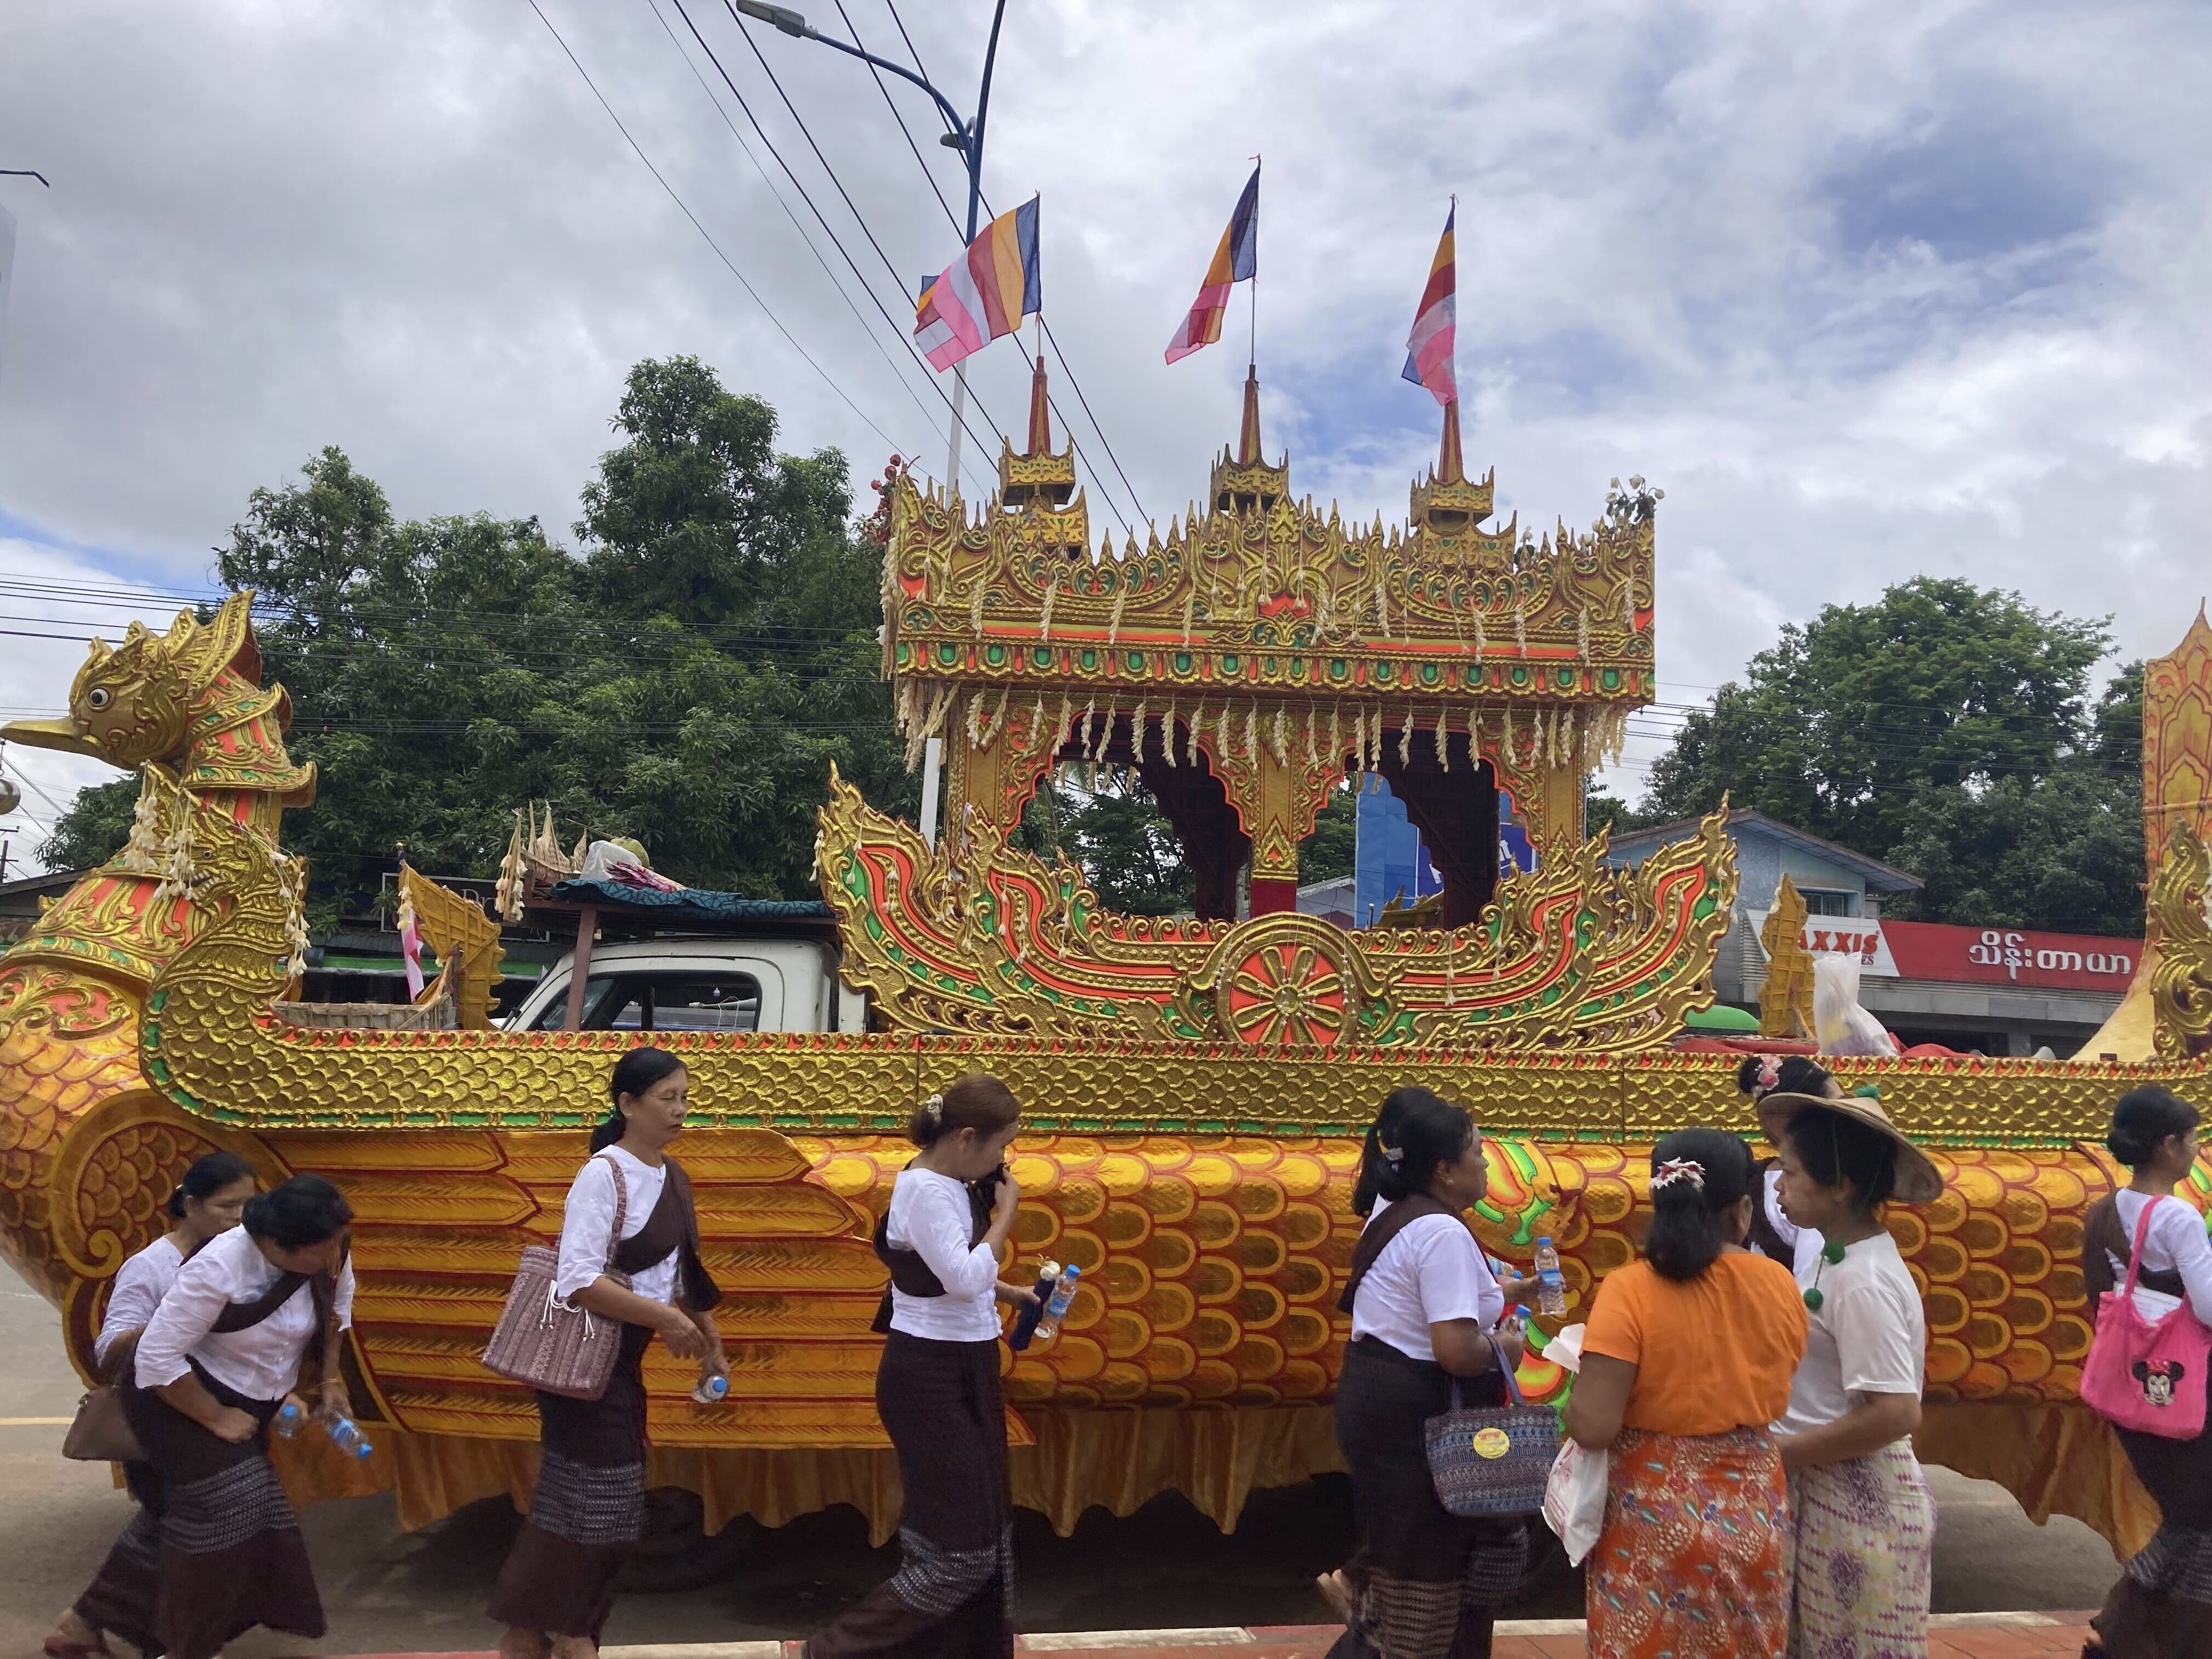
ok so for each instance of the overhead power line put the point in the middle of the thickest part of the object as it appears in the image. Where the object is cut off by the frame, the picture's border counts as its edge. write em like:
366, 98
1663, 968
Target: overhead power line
704, 234
867, 328
805, 196
1051, 339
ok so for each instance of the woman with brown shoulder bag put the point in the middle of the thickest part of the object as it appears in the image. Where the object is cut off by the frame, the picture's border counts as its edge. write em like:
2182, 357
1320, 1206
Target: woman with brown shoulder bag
219, 1357
121, 1597
629, 1254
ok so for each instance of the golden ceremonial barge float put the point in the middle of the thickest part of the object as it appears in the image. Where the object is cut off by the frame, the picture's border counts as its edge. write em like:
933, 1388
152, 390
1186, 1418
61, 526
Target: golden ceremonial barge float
1196, 1086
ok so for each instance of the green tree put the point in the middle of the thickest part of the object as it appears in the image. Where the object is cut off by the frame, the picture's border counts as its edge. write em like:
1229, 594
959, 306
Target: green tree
1330, 851
1121, 838
689, 681
1946, 729
93, 827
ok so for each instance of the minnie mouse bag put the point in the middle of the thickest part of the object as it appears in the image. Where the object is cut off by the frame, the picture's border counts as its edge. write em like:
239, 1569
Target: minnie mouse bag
2147, 1374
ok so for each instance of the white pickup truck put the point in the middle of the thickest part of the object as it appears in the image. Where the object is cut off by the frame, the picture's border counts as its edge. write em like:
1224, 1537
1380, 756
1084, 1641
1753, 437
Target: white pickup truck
701, 985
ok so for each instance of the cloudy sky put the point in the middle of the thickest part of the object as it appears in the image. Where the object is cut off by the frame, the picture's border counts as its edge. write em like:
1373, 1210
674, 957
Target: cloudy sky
1870, 289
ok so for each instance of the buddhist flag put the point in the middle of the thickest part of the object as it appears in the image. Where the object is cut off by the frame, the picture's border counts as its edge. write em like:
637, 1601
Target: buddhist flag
984, 293
1429, 347
1237, 260
411, 945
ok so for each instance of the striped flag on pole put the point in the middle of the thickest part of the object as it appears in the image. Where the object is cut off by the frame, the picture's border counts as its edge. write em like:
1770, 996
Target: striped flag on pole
1237, 260
1429, 347
984, 293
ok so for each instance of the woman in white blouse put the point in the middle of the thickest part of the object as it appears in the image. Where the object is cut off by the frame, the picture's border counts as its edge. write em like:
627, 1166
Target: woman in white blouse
557, 1585
2161, 1608
1863, 1521
1425, 1312
206, 1201
223, 1352
937, 1388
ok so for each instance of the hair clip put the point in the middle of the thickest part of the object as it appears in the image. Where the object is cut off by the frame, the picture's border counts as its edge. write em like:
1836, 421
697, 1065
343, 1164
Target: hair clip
1679, 1169
1770, 1075
1392, 1156
933, 1108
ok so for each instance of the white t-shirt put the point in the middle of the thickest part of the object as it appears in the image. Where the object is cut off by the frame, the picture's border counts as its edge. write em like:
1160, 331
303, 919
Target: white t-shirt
2176, 1243
1431, 1272
1868, 1335
261, 1362
590, 1217
1804, 1241
929, 1215
139, 1287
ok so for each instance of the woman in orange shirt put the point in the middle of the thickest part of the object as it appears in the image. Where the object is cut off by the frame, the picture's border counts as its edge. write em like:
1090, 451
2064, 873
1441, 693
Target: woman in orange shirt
1688, 1356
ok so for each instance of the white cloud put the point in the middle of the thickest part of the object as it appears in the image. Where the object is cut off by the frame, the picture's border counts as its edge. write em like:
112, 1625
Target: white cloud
1872, 288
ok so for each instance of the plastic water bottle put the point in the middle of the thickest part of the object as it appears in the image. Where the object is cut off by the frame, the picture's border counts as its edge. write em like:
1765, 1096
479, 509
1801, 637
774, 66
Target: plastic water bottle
711, 1389
1551, 1284
345, 1434
288, 1420
1062, 1294
1532, 1336
1025, 1322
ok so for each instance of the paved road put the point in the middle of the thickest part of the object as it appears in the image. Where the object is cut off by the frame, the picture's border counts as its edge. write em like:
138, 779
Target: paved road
1166, 1566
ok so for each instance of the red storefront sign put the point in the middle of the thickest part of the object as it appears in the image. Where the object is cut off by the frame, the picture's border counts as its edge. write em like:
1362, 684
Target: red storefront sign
2009, 956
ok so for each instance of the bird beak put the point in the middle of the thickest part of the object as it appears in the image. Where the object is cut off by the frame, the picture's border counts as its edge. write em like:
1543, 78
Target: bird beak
66, 734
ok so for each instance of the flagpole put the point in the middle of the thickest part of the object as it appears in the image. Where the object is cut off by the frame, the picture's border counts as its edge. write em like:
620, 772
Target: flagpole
1252, 352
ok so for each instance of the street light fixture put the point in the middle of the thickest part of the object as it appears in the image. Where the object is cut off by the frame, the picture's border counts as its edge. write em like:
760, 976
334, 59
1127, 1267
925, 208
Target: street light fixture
967, 138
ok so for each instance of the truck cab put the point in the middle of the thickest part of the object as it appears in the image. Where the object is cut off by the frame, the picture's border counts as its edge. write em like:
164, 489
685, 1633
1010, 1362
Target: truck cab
699, 985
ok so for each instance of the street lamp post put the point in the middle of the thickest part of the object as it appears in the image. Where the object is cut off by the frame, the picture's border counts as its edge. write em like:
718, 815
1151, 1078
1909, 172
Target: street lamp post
967, 138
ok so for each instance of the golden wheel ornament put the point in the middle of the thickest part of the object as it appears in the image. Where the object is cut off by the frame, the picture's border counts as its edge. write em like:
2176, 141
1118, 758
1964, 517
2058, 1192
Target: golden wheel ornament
1286, 992
1287, 981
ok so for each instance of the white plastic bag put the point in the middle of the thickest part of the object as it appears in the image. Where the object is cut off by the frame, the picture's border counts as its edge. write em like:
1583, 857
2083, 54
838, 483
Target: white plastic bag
1839, 1024
1574, 1498
1566, 1350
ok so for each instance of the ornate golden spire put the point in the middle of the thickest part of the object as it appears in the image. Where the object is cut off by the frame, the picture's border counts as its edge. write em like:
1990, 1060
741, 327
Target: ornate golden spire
1248, 483
1447, 504
1040, 412
1036, 477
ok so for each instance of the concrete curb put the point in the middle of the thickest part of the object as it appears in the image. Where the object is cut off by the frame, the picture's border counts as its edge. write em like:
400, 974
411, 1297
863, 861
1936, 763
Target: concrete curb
1212, 1636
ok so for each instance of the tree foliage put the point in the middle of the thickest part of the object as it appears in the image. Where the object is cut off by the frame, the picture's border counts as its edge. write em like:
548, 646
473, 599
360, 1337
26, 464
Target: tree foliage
1949, 729
687, 681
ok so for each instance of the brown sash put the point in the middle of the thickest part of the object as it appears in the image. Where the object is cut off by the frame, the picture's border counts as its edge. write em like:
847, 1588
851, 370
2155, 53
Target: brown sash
1377, 1239
673, 1226
909, 1272
2101, 1231
322, 1291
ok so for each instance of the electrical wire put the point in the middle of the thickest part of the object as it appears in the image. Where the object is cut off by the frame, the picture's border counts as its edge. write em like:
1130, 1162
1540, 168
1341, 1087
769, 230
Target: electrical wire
953, 219
750, 290
899, 282
866, 326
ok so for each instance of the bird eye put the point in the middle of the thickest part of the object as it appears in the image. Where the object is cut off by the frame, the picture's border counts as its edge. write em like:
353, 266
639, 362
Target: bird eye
99, 696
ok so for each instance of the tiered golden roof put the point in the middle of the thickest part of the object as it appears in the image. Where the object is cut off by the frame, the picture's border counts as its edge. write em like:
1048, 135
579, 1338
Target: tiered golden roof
1262, 637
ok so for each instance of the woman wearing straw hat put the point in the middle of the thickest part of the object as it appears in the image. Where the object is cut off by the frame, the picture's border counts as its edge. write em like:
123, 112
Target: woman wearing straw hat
1865, 1526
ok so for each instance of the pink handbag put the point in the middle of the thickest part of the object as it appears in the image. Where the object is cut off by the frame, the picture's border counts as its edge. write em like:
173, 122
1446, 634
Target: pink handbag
553, 1345
2143, 1374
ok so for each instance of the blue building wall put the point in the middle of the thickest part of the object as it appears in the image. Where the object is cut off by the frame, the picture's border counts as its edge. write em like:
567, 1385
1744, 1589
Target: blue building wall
1390, 859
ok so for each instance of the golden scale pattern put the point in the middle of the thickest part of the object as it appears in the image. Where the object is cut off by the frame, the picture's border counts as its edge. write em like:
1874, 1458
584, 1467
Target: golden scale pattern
1203, 1187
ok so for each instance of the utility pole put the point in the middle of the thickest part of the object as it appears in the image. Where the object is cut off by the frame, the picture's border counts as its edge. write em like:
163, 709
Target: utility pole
967, 138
